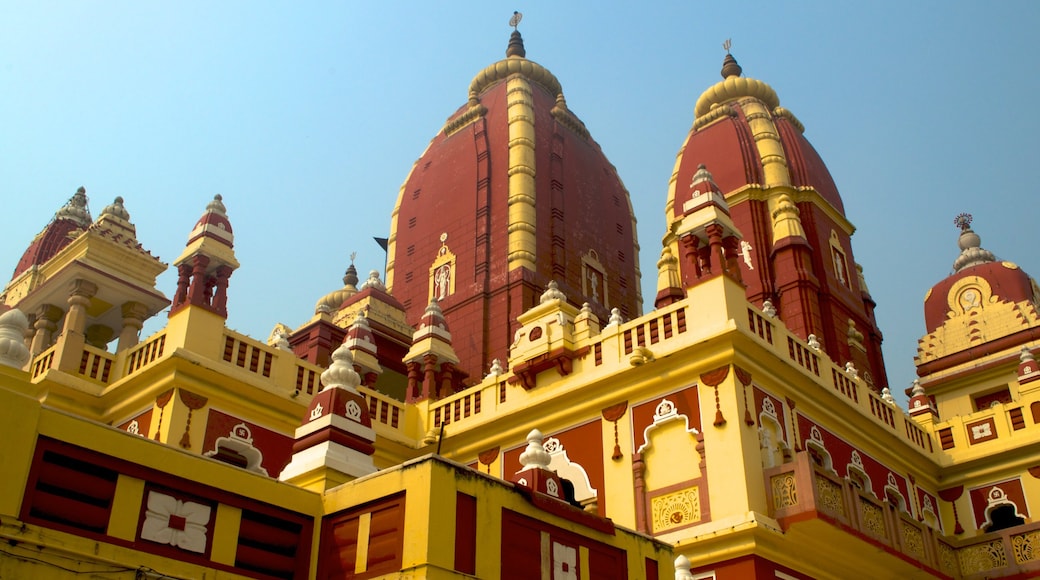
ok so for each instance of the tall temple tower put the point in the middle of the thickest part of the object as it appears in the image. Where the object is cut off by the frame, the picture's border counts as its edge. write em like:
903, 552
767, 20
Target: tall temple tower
511, 194
795, 251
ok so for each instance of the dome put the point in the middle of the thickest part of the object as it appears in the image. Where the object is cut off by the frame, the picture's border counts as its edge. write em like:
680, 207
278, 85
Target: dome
72, 217
333, 300
746, 138
513, 192
978, 278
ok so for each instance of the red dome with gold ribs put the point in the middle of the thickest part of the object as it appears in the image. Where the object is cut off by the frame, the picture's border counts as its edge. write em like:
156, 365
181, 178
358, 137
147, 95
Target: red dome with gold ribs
511, 194
73, 217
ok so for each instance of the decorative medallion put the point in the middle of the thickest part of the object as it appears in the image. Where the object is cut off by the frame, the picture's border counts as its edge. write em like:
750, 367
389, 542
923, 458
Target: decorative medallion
676, 509
169, 520
353, 410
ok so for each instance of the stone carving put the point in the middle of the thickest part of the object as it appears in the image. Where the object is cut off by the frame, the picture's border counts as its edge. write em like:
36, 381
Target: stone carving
785, 491
169, 520
676, 509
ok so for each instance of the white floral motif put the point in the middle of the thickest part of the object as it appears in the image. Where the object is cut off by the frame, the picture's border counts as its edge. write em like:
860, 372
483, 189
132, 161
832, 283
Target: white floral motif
353, 410
552, 488
134, 428
565, 562
664, 409
316, 412
175, 522
552, 445
768, 407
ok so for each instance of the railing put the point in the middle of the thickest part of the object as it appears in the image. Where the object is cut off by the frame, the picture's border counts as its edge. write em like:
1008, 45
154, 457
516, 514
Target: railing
96, 364
917, 435
844, 384
457, 407
145, 353
248, 354
383, 409
760, 326
1014, 552
43, 362
803, 355
308, 378
654, 330
882, 410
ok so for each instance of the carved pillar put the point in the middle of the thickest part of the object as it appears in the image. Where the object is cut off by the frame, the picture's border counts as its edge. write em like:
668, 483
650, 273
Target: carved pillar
197, 289
691, 268
429, 384
370, 379
414, 392
220, 298
133, 321
717, 255
638, 468
80, 292
447, 382
731, 253
183, 280
47, 317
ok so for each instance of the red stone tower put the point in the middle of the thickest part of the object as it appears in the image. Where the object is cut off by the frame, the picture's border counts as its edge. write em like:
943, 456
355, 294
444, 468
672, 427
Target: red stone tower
794, 249
511, 194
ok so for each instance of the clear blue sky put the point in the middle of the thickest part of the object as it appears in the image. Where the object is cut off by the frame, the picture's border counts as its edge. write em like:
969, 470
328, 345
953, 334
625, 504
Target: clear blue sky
307, 117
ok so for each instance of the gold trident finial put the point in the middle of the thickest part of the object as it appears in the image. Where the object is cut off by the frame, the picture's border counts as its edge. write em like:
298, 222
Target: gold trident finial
726, 45
515, 20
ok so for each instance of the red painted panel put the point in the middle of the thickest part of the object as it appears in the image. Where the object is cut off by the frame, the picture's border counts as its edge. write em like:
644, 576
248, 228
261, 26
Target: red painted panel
980, 499
465, 533
686, 403
650, 569
144, 423
521, 550
339, 539
584, 446
275, 447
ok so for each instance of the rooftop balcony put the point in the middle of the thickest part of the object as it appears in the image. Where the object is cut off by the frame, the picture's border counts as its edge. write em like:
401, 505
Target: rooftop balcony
808, 500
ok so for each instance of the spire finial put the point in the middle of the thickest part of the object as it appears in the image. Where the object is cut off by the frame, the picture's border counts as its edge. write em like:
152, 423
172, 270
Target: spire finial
730, 68
963, 221
516, 42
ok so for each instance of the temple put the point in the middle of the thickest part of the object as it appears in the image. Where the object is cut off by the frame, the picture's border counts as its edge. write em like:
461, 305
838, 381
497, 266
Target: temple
497, 404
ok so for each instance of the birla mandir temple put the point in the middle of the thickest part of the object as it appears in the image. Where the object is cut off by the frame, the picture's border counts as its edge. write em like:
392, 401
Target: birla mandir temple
501, 401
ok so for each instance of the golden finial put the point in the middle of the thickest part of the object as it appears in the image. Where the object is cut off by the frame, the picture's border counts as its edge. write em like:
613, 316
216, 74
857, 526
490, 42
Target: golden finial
353, 256
726, 45
516, 43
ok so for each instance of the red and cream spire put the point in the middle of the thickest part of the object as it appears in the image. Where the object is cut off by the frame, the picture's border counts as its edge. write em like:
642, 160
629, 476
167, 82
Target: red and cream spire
431, 360
207, 262
362, 345
336, 441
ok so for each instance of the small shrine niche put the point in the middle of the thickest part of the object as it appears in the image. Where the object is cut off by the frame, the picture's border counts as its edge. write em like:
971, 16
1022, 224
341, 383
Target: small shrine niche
841, 264
594, 278
442, 272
